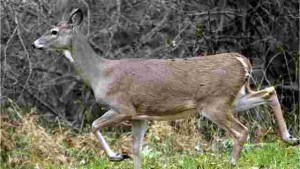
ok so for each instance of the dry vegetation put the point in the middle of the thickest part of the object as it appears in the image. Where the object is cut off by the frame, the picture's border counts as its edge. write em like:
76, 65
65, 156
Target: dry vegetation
26, 143
41, 147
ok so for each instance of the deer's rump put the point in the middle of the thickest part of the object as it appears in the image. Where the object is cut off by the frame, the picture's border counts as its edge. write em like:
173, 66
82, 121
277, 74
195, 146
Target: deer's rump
164, 87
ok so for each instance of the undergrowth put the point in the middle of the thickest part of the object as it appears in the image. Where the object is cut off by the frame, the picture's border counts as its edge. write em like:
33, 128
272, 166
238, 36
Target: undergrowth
27, 143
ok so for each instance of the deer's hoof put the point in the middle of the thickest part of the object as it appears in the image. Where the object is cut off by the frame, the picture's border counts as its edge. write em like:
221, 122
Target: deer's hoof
232, 162
119, 157
292, 141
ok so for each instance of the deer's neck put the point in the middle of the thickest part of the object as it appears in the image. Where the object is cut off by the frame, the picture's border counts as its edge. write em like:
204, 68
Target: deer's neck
87, 62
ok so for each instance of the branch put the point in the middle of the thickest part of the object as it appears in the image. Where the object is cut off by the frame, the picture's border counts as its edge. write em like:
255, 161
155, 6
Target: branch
294, 87
216, 13
88, 16
27, 55
5, 53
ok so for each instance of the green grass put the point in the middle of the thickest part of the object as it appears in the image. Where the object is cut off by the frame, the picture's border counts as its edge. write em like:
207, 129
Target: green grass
271, 156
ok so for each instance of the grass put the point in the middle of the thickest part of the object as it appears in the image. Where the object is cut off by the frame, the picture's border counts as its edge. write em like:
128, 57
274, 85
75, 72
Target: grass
25, 143
269, 156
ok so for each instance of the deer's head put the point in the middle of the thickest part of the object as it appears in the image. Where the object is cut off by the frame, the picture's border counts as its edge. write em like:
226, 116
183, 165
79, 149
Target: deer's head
59, 38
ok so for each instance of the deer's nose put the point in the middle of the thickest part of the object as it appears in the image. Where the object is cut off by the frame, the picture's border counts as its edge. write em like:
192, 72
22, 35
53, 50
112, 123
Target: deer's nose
33, 45
37, 44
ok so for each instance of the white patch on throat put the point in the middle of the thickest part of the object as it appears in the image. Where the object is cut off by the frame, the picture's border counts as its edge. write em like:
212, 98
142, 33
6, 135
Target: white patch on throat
68, 56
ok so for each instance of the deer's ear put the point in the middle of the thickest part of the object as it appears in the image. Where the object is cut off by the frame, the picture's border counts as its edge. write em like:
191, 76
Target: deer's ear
76, 17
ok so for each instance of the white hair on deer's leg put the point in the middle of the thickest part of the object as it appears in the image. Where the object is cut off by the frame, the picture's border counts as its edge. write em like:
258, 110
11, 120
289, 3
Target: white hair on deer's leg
68, 56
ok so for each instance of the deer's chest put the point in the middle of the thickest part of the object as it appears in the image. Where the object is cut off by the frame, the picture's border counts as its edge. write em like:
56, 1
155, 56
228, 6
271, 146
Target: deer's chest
100, 89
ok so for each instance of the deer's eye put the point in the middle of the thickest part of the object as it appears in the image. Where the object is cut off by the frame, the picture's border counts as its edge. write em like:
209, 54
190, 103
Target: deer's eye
54, 32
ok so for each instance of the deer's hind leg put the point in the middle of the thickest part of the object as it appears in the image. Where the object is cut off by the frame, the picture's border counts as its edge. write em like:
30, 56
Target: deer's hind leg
222, 115
109, 118
266, 96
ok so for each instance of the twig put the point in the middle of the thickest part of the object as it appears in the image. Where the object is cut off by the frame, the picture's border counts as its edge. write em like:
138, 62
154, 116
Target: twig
216, 13
27, 55
88, 16
14, 105
292, 86
289, 74
221, 23
267, 68
59, 125
82, 122
5, 53
118, 11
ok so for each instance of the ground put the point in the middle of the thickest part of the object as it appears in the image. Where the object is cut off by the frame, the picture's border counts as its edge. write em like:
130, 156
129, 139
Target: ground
29, 142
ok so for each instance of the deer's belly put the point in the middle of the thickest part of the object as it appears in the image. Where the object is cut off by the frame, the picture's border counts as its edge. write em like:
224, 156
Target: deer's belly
163, 117
166, 112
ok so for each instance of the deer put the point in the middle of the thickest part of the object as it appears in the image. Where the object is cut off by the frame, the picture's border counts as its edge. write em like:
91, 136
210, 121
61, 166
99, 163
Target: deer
141, 90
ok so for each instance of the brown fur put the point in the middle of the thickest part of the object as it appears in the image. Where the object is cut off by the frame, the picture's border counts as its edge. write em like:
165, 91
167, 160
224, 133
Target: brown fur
182, 84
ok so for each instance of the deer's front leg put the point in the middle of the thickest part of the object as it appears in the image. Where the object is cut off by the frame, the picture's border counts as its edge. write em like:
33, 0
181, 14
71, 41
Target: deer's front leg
109, 118
139, 128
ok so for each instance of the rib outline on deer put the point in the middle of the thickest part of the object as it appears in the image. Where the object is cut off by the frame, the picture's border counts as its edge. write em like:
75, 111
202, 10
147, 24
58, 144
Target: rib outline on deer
163, 89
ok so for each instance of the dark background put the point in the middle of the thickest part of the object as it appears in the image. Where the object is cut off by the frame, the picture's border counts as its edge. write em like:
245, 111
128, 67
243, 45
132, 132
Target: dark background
265, 31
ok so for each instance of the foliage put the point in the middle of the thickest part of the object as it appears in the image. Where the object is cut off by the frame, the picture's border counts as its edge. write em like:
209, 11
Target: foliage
265, 31
26, 144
